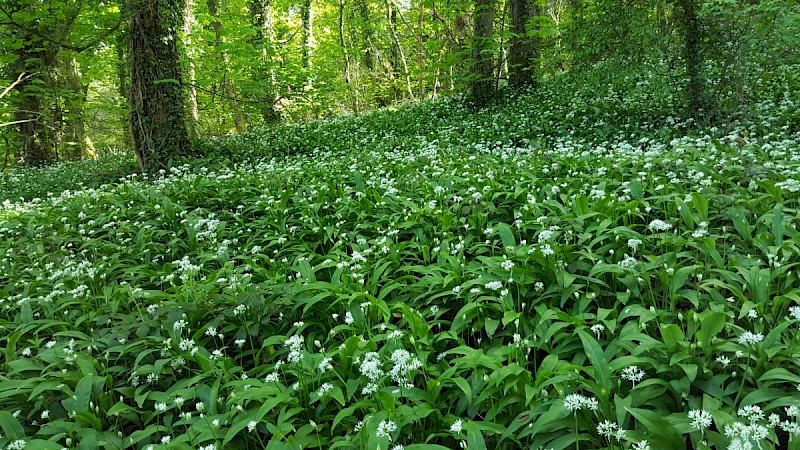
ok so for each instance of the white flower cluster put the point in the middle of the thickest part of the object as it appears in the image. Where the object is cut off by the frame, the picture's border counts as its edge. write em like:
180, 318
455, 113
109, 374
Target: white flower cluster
295, 344
577, 402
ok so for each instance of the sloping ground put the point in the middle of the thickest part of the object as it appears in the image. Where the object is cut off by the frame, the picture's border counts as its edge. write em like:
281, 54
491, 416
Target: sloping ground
563, 267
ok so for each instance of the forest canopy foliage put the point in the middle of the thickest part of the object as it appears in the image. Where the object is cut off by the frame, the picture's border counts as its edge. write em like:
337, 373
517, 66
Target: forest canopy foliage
244, 63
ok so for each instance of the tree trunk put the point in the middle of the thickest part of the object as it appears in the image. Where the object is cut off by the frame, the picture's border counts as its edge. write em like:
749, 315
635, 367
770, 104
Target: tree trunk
368, 34
123, 80
523, 52
348, 76
699, 104
420, 50
194, 110
78, 143
483, 87
307, 14
397, 50
228, 89
36, 62
265, 40
157, 118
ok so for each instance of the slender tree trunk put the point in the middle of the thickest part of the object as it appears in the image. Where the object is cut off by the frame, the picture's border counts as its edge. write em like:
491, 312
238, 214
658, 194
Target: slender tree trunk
398, 49
157, 117
697, 101
368, 56
307, 14
123, 80
228, 88
483, 86
265, 41
194, 110
348, 75
523, 53
78, 143
420, 50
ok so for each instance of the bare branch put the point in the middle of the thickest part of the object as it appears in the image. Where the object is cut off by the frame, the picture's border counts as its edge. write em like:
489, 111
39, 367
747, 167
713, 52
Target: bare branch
19, 80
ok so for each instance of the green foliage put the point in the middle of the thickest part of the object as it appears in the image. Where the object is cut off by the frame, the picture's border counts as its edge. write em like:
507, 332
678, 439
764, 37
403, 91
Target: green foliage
575, 268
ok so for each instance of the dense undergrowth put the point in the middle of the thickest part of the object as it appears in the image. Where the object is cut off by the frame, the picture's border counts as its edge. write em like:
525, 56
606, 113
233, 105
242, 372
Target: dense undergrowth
576, 268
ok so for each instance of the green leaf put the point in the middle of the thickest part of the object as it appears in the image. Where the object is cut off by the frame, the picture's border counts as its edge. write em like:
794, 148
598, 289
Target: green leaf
12, 429
778, 226
664, 435
602, 374
506, 235
475, 439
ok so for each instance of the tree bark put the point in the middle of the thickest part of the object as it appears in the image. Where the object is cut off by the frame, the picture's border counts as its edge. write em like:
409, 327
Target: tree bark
76, 138
157, 117
524, 52
265, 40
483, 86
368, 34
348, 75
397, 52
194, 109
35, 61
698, 103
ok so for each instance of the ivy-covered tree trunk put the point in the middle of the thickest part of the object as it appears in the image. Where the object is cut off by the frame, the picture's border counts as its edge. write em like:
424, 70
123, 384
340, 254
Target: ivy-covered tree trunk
523, 53
261, 11
35, 61
483, 84
157, 118
698, 103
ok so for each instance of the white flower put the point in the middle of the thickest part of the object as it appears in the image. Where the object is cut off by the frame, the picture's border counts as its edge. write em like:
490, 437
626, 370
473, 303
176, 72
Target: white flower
325, 365
19, 444
251, 425
348, 318
494, 285
701, 419
724, 360
457, 426
660, 225
794, 311
324, 389
749, 338
751, 412
385, 428
641, 445
629, 262
633, 374
607, 429
371, 366
634, 244
574, 402
598, 329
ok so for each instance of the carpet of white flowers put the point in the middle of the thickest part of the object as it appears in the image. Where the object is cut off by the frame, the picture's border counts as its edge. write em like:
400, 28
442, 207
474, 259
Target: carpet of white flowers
574, 270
